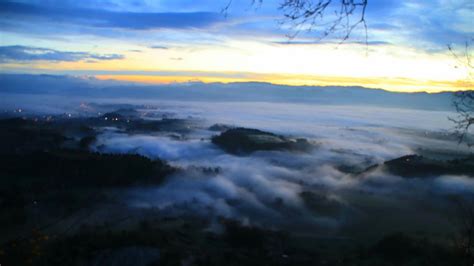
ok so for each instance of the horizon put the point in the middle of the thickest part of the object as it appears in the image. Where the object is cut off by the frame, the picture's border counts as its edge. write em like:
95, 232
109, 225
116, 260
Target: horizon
138, 84
405, 49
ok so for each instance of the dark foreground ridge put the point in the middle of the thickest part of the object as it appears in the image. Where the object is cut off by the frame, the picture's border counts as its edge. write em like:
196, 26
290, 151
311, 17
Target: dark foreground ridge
419, 166
71, 168
245, 140
180, 242
56, 154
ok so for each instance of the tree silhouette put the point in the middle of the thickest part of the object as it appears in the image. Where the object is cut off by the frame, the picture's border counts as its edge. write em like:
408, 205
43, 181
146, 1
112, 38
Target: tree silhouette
464, 100
330, 17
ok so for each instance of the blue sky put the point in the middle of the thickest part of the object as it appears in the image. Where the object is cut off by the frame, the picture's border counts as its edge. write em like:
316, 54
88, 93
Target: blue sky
180, 35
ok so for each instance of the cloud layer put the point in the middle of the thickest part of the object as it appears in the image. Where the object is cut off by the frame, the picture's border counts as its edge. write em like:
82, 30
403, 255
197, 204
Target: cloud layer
432, 23
27, 53
303, 190
314, 190
108, 19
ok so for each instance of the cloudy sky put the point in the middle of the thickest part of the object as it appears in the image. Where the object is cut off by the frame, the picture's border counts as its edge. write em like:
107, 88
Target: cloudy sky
162, 41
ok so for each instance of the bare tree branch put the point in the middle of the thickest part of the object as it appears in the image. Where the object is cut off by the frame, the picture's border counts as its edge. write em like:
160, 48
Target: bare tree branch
464, 100
464, 119
330, 17
226, 8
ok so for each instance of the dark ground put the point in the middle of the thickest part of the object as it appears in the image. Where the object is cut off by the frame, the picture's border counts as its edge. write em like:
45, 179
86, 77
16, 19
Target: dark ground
48, 177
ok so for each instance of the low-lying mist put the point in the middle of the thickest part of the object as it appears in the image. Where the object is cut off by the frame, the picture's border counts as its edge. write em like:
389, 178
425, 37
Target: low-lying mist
338, 185
325, 188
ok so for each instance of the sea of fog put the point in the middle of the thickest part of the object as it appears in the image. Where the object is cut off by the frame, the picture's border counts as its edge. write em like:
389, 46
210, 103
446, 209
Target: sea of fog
266, 187
271, 188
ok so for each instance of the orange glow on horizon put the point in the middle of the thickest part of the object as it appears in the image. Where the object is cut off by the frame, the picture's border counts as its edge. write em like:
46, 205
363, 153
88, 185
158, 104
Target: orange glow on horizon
388, 67
390, 84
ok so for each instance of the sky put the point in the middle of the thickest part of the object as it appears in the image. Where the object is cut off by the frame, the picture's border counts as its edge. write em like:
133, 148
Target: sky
167, 41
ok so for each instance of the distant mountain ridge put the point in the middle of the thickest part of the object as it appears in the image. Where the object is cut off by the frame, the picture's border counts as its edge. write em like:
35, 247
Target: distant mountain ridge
240, 91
